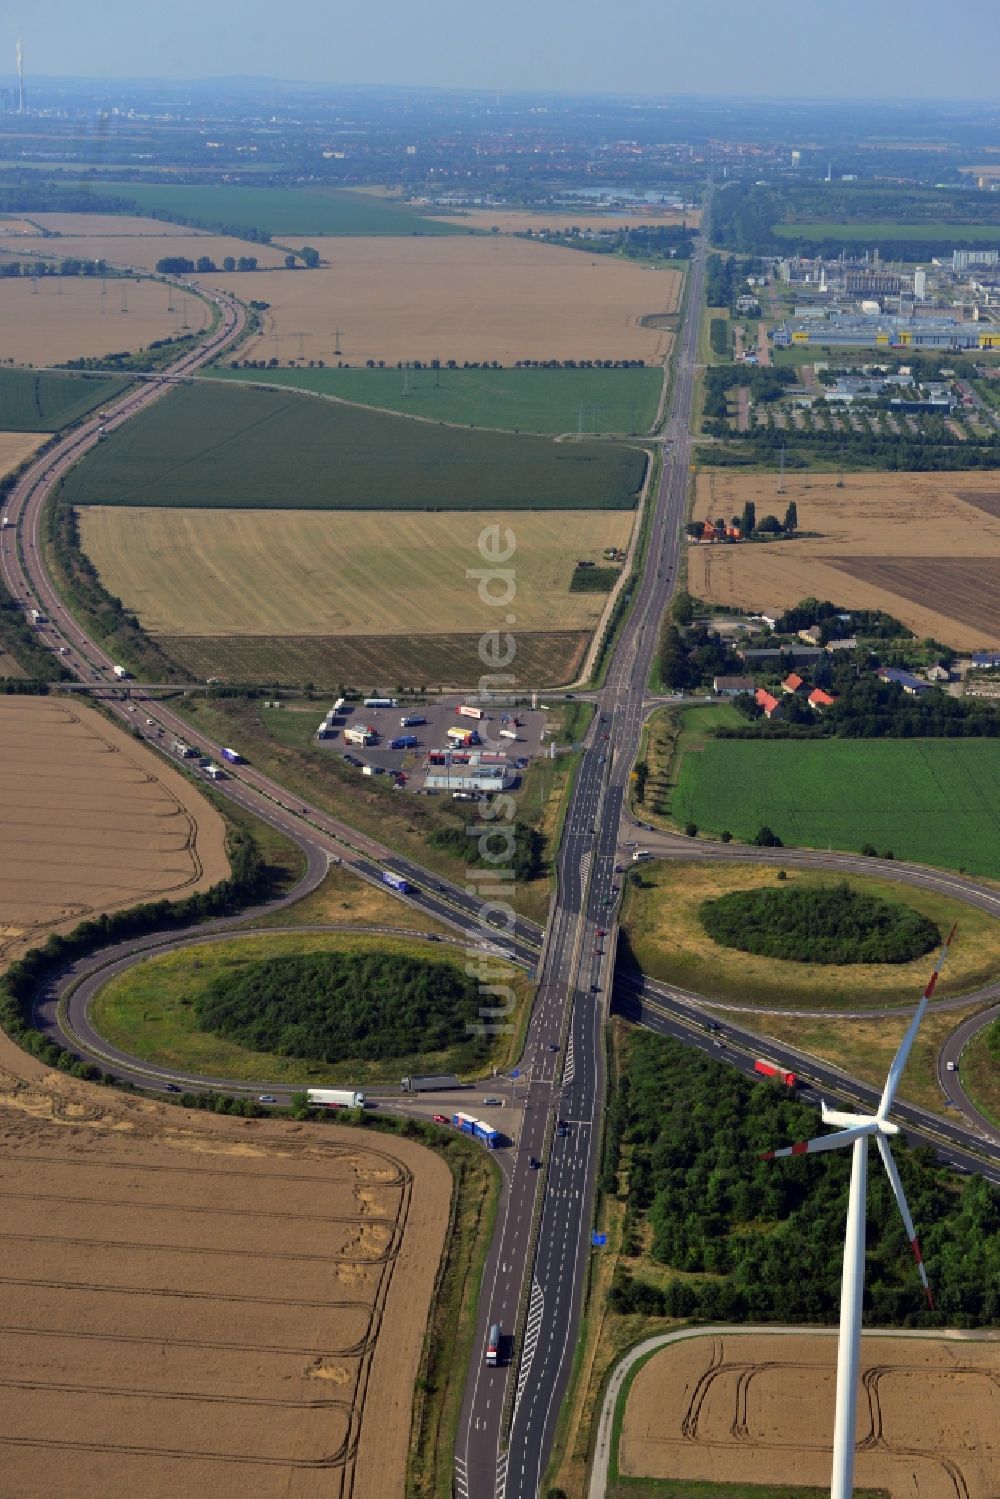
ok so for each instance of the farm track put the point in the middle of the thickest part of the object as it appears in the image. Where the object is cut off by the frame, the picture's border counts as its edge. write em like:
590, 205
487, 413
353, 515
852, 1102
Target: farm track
598, 803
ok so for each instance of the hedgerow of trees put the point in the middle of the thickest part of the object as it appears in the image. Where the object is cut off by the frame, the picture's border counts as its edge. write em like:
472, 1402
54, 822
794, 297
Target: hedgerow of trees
338, 1007
763, 1241
818, 924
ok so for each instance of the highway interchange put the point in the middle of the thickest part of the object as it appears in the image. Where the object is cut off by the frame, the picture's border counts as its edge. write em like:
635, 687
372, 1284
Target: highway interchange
536, 1267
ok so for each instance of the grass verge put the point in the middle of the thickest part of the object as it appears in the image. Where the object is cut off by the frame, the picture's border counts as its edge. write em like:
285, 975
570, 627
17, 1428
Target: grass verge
662, 930
981, 1074
149, 1012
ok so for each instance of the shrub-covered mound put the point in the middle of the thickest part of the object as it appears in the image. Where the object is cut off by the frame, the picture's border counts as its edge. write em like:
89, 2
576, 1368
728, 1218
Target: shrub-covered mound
818, 924
335, 1007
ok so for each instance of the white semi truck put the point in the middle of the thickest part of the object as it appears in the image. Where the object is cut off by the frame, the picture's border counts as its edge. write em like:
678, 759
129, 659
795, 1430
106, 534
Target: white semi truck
335, 1098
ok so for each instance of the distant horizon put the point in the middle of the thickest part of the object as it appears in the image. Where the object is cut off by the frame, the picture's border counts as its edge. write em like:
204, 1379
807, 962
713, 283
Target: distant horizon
470, 90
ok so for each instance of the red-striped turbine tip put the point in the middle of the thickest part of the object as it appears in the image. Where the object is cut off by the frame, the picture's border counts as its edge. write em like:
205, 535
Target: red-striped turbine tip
768, 1155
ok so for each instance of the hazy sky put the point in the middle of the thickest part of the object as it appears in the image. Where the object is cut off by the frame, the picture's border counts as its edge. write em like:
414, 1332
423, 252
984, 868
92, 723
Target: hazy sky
859, 48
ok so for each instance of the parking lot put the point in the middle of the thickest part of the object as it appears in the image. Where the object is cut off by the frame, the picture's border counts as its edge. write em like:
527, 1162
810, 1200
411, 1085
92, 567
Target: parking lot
408, 765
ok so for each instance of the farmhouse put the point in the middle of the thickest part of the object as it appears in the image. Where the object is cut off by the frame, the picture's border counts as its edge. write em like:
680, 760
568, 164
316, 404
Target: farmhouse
986, 660
732, 686
848, 644
904, 679
761, 657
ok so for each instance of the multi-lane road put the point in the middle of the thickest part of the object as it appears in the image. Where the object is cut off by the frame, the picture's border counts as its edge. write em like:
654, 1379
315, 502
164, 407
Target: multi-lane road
536, 1268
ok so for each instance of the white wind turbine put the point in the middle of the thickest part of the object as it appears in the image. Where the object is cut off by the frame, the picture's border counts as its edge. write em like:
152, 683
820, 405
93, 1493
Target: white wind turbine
856, 1130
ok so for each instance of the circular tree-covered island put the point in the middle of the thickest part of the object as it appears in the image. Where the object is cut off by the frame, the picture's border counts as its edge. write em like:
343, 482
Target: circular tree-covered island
818, 924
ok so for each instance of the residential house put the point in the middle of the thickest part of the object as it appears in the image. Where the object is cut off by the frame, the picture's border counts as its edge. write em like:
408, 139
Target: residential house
986, 660
732, 686
811, 636
769, 703
937, 674
850, 644
794, 683
818, 700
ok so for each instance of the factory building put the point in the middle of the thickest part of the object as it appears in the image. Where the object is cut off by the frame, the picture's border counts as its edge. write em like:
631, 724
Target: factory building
845, 331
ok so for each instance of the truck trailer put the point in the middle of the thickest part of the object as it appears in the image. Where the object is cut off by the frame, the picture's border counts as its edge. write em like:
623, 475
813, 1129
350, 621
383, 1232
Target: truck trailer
403, 741
479, 1131
465, 711
409, 720
335, 1098
429, 1084
120, 673
381, 702
397, 882
233, 756
772, 1070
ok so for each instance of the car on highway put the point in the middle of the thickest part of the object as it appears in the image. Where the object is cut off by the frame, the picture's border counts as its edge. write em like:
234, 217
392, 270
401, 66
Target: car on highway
951, 1066
266, 1098
441, 1119
553, 1046
534, 1162
151, 723
171, 1088
562, 1129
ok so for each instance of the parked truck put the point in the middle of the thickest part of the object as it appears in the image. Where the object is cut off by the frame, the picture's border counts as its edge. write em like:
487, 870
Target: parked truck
410, 720
381, 702
335, 1098
779, 1074
429, 1084
465, 711
508, 733
403, 741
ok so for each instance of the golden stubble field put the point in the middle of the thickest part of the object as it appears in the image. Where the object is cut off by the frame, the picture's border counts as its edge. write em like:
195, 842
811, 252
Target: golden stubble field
55, 318
197, 1306
313, 572
142, 251
91, 821
476, 298
924, 547
720, 1407
15, 447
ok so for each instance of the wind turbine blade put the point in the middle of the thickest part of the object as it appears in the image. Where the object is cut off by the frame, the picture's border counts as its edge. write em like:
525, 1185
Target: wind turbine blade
822, 1142
899, 1060
911, 1233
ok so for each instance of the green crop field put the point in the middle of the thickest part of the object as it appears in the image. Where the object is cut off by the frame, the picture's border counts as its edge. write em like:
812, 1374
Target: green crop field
875, 230
277, 210
520, 400
930, 800
216, 446
36, 401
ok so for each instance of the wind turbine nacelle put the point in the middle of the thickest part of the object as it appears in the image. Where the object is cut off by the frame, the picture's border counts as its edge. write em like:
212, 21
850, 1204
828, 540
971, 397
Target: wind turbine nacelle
858, 1121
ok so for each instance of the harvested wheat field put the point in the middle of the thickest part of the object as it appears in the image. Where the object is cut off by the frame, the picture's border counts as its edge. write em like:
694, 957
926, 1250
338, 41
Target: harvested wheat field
924, 547
144, 250
100, 224
193, 1306
15, 447
91, 821
476, 298
313, 572
717, 1408
519, 220
16, 226
56, 318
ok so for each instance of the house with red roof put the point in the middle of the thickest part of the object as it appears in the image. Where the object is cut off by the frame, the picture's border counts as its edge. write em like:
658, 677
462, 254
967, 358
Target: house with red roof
770, 704
794, 683
818, 699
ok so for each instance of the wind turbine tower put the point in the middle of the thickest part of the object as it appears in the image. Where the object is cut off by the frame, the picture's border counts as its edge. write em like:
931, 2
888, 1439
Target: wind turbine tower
857, 1130
20, 81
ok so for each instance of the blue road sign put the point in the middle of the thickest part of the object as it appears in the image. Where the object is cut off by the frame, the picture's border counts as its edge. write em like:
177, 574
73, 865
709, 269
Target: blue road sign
598, 1239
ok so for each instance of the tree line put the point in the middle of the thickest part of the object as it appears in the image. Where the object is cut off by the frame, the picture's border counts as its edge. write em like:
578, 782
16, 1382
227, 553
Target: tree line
868, 708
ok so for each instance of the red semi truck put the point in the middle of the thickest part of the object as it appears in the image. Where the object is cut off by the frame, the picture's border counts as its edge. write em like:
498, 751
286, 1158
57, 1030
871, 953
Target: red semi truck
771, 1069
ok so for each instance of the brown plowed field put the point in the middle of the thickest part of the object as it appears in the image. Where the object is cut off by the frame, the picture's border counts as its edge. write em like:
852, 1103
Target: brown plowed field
460, 298
924, 547
543, 659
91, 821
196, 1306
56, 318
721, 1408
